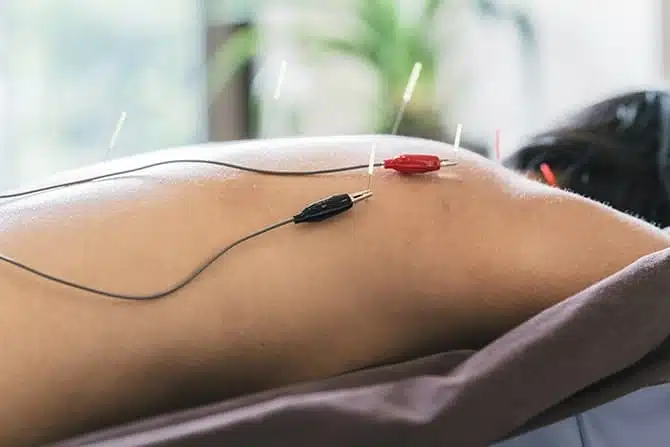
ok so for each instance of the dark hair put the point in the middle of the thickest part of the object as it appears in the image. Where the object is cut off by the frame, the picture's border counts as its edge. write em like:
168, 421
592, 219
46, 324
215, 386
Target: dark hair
615, 152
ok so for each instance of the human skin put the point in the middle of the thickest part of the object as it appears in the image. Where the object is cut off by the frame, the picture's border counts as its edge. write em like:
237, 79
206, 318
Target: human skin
431, 262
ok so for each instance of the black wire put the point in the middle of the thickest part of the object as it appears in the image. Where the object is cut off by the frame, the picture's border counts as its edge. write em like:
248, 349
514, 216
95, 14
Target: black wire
186, 281
196, 161
319, 211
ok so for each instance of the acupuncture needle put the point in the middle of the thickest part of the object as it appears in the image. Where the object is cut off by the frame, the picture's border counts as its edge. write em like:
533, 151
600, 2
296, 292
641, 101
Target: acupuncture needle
406, 98
115, 135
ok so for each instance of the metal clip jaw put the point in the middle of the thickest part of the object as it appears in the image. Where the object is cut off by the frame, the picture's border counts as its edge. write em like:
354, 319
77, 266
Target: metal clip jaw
360, 196
445, 163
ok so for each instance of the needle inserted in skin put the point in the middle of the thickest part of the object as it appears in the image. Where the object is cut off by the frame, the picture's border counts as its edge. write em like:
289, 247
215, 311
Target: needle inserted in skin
411, 83
371, 164
407, 95
548, 174
280, 79
497, 145
457, 138
406, 98
115, 135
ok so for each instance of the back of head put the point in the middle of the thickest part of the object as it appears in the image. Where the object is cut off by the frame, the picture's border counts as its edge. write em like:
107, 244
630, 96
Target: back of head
615, 152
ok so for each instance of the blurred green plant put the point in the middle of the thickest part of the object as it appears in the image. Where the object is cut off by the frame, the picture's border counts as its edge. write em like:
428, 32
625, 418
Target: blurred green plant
389, 45
231, 56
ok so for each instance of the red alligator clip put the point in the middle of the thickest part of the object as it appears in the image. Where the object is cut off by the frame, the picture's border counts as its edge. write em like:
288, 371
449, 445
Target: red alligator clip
413, 163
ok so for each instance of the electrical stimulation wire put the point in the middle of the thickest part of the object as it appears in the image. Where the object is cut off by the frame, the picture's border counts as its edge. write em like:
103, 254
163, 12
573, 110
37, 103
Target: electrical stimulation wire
316, 212
321, 210
194, 161
152, 296
409, 163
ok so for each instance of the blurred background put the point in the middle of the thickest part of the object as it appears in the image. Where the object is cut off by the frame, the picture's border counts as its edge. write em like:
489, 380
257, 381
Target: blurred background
192, 71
